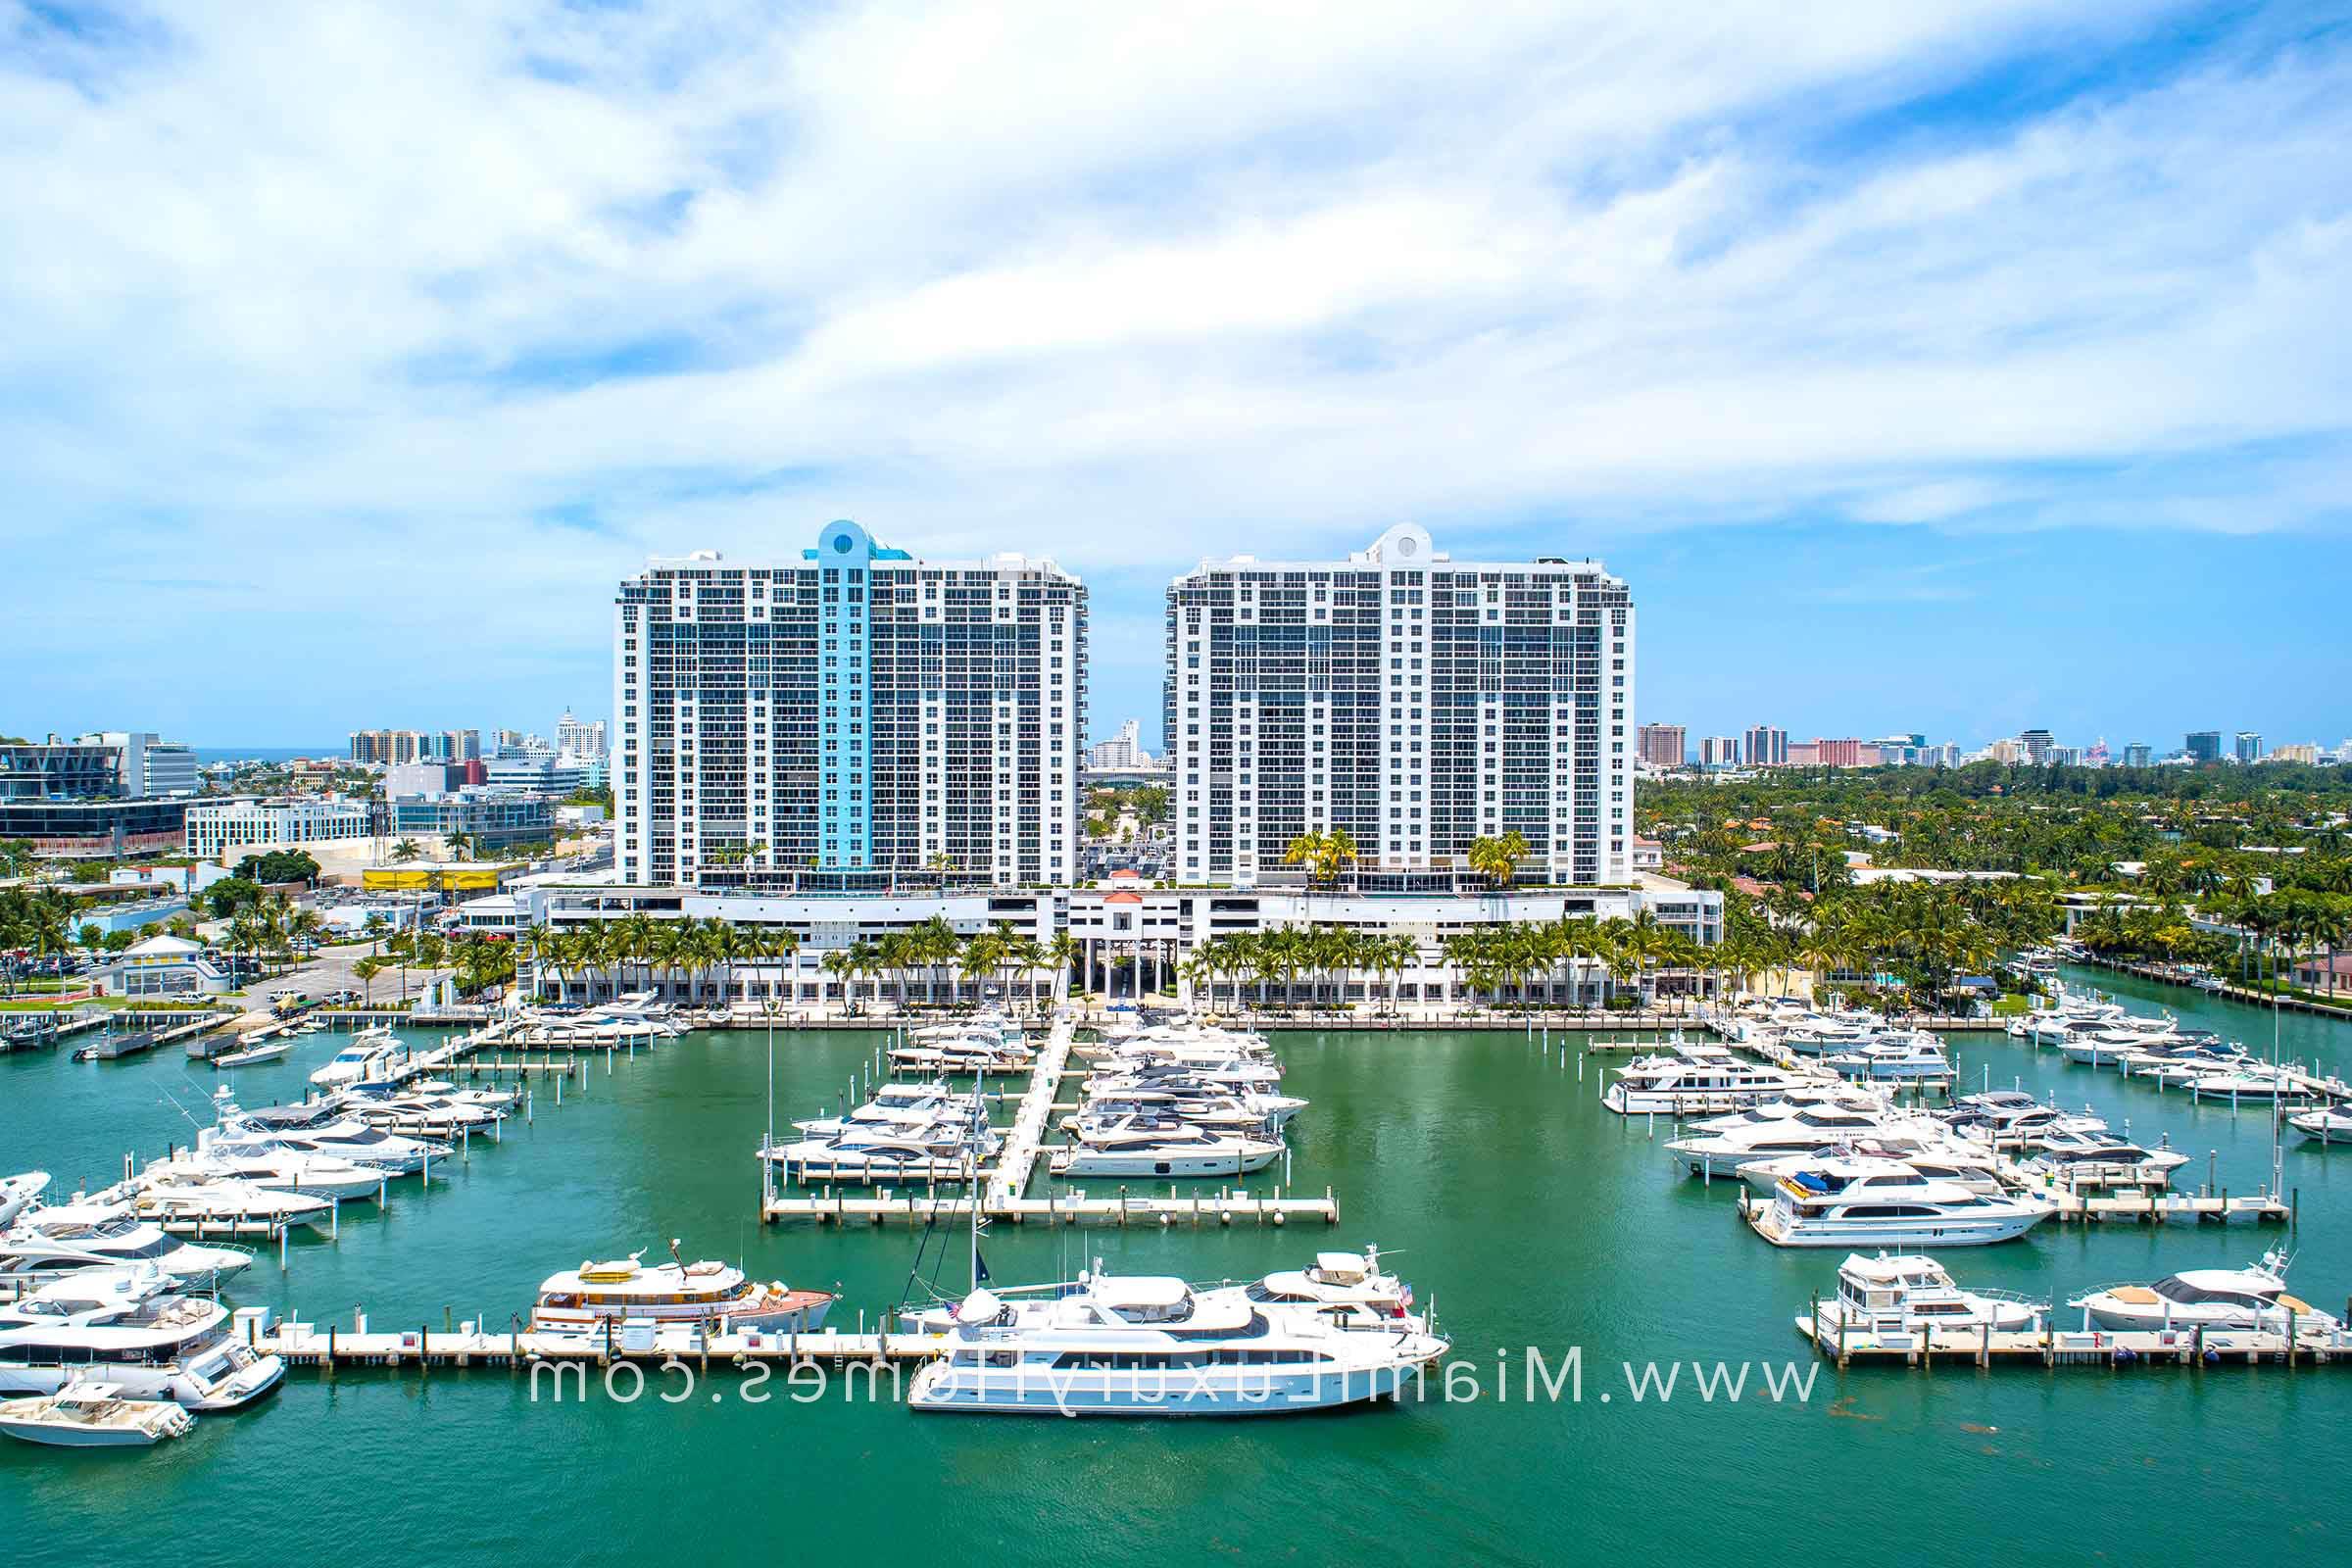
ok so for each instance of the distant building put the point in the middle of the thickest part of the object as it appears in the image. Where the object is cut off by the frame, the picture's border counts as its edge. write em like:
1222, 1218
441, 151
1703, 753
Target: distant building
1120, 752
2137, 755
424, 778
2249, 746
2297, 752
1766, 746
1719, 750
390, 747
580, 737
215, 828
2203, 746
92, 829
1846, 753
1661, 744
492, 824
2037, 744
537, 775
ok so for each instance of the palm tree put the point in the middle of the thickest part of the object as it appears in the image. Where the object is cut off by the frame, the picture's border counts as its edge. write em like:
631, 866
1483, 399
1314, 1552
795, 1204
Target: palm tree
1498, 858
405, 851
1062, 952
458, 845
366, 971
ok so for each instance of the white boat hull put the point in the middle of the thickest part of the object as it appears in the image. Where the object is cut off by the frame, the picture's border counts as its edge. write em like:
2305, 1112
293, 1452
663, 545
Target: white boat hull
1145, 1164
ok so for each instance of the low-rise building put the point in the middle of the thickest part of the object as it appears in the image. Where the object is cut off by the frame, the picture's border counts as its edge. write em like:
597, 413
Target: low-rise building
1139, 934
164, 967
96, 829
214, 829
491, 822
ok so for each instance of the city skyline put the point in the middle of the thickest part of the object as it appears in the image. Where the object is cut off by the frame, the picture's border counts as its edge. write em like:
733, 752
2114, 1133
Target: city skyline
1880, 355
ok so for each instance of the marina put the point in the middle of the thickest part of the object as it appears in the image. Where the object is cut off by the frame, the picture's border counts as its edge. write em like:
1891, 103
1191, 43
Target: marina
1497, 1127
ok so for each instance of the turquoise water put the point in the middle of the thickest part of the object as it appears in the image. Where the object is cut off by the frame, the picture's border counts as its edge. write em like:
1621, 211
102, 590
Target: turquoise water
1533, 1216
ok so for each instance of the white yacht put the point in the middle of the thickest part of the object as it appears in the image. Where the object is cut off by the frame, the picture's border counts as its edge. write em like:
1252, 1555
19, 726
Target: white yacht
2253, 1298
583, 1300
93, 1415
2253, 1083
17, 1194
1232, 1114
639, 1010
413, 1112
2104, 1045
1897, 1056
901, 1106
279, 1170
1935, 1159
1800, 1130
125, 1325
1690, 1077
1909, 1294
2096, 1159
318, 1127
2330, 1124
1161, 1146
1155, 1347
181, 1197
65, 1240
962, 1055
943, 1152
371, 1053
1879, 1202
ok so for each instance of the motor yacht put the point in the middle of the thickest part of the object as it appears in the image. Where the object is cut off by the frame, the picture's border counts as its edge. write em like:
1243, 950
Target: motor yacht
2104, 1046
1690, 1077
901, 1106
2250, 1083
17, 1194
413, 1113
1939, 1160
581, 1301
2252, 1297
318, 1127
2330, 1124
254, 1056
279, 1170
1145, 1145
183, 1198
93, 1415
639, 1010
1884, 1202
1908, 1293
371, 1053
945, 1152
2070, 1159
1245, 1114
964, 1055
65, 1239
1896, 1058
1805, 1130
126, 1325
1141, 1345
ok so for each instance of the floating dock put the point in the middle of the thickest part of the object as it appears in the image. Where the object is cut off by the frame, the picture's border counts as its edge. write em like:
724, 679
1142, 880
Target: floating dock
2049, 1346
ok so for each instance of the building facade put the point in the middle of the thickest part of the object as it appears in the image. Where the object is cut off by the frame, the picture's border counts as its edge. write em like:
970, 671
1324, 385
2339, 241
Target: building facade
580, 737
1415, 702
1663, 745
856, 710
2137, 755
2203, 746
1765, 746
491, 823
2248, 746
1719, 750
216, 828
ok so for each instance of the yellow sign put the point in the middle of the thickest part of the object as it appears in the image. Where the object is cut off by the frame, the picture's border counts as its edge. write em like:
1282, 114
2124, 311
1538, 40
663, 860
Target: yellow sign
468, 878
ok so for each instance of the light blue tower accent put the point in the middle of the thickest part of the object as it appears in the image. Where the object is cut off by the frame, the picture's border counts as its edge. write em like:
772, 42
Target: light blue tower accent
844, 666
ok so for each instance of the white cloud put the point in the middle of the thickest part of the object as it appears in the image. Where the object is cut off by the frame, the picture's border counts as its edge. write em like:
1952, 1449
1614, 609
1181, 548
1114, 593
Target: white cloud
313, 297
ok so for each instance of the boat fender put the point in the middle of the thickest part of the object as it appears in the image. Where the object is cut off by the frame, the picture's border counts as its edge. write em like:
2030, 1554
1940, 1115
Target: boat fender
2124, 1352
2213, 1358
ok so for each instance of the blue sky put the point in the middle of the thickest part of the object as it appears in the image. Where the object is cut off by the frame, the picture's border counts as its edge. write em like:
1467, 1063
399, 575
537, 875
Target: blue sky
1952, 368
